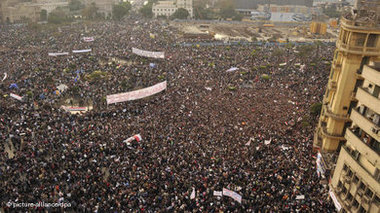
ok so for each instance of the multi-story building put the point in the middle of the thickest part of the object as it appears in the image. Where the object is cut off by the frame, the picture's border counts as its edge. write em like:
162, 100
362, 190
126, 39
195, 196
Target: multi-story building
356, 180
104, 6
349, 120
14, 10
167, 8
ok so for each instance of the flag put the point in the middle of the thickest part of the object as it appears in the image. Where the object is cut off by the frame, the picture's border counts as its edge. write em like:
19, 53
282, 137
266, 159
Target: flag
192, 196
137, 137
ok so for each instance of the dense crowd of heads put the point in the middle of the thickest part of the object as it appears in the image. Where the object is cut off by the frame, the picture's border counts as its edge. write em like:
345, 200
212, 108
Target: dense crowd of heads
209, 130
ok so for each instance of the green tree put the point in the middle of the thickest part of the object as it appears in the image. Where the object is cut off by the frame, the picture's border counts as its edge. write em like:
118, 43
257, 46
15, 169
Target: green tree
315, 109
57, 16
120, 10
146, 10
75, 5
90, 11
43, 15
180, 13
227, 9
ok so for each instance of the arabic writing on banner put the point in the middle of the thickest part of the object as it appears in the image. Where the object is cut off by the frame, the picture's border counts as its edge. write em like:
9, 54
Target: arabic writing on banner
148, 53
232, 195
82, 51
58, 54
137, 94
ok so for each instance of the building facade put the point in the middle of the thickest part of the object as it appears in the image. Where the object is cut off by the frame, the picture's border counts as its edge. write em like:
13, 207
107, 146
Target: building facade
349, 121
168, 8
104, 6
356, 179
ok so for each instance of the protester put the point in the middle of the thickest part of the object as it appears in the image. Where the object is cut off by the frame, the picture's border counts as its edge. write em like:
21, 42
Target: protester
209, 130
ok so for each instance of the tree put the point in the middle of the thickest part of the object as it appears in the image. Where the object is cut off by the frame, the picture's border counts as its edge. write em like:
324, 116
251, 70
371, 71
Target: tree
315, 109
75, 5
146, 10
43, 15
180, 13
57, 16
120, 10
227, 9
90, 11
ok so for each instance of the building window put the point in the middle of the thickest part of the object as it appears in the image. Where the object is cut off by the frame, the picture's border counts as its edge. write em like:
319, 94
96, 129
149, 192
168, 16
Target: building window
356, 179
372, 40
359, 39
369, 193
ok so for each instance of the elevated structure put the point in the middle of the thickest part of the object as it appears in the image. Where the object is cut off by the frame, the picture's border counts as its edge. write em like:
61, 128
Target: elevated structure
168, 8
350, 116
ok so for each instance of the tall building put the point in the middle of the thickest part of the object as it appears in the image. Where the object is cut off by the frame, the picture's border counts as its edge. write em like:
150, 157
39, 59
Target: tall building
167, 8
350, 115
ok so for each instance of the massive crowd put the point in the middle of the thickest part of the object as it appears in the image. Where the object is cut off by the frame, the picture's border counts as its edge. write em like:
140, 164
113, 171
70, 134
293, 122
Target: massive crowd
209, 130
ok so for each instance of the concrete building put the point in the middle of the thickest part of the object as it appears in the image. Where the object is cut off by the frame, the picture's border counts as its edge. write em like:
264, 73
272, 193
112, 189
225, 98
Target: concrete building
50, 5
104, 6
356, 180
15, 11
167, 8
349, 120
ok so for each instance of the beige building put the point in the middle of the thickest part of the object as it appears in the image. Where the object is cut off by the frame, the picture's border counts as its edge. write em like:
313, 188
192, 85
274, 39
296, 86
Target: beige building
15, 11
167, 8
104, 6
356, 180
350, 115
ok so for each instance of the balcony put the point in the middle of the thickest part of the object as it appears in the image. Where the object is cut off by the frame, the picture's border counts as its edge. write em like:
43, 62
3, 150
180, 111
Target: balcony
368, 99
371, 75
332, 85
370, 154
365, 124
355, 25
335, 116
367, 51
334, 137
347, 158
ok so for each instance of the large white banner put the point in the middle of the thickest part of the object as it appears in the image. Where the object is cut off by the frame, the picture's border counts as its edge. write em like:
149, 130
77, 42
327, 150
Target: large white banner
82, 51
58, 54
148, 53
137, 94
232, 195
17, 97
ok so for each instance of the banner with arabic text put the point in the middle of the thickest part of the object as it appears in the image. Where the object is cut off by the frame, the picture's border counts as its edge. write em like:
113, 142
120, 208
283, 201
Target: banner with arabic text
137, 94
149, 54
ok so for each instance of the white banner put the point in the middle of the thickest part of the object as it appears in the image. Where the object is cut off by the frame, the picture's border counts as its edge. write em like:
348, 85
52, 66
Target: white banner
149, 54
137, 94
336, 202
58, 54
5, 76
82, 51
218, 193
88, 39
232, 69
232, 195
17, 97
